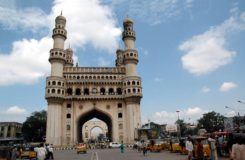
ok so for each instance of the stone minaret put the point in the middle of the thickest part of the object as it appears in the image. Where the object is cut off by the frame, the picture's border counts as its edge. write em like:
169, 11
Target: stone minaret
55, 84
132, 82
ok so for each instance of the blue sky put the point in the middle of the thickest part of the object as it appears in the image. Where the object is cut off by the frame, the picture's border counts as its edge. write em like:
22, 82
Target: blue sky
191, 52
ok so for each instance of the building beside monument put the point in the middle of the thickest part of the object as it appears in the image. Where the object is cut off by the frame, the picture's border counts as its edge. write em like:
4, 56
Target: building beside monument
76, 95
10, 132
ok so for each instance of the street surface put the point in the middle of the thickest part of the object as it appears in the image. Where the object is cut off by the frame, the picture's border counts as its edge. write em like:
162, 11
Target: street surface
115, 154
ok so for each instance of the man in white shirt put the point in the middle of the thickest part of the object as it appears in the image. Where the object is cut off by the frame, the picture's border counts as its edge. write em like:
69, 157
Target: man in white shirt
189, 148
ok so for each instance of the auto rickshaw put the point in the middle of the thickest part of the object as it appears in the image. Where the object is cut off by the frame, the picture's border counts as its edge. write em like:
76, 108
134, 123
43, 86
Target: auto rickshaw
154, 146
26, 152
81, 148
202, 142
175, 145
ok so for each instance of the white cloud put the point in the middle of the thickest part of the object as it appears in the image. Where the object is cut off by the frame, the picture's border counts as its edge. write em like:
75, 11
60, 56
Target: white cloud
206, 89
13, 114
195, 111
154, 11
27, 62
157, 79
32, 19
16, 110
88, 22
28, 59
206, 52
103, 62
189, 115
227, 86
231, 114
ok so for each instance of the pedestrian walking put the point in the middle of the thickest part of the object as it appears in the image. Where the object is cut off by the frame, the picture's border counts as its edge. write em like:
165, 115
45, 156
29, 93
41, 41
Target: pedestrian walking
189, 147
50, 151
13, 153
212, 145
144, 149
200, 154
41, 152
122, 147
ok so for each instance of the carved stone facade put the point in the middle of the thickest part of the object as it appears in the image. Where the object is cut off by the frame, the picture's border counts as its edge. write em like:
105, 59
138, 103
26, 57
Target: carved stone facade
76, 95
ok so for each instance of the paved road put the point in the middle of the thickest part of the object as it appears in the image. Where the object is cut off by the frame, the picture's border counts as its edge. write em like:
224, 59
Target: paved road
114, 154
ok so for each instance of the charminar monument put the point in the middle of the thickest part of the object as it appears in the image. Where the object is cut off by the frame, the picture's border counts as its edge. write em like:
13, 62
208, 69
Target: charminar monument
76, 95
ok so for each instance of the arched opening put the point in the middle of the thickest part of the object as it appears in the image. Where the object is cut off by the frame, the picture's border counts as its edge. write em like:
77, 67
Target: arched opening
86, 91
96, 133
119, 91
69, 91
90, 115
102, 91
111, 91
78, 91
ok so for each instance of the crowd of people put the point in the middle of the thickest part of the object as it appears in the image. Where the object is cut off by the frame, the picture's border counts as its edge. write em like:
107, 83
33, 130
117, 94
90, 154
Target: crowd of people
232, 146
43, 152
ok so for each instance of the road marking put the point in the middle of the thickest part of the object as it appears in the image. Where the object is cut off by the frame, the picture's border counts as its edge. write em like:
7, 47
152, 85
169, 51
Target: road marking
94, 156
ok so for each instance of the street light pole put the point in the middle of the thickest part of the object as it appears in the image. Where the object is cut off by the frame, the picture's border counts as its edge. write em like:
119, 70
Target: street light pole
178, 125
238, 114
241, 102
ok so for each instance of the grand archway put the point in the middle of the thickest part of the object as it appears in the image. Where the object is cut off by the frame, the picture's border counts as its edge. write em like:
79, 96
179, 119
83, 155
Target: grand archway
90, 115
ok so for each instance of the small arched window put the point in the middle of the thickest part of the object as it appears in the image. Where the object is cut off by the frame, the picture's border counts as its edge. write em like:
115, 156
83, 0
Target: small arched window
53, 83
134, 90
120, 115
68, 116
69, 91
68, 106
53, 90
111, 91
78, 91
86, 91
119, 91
59, 83
119, 105
128, 83
133, 83
102, 91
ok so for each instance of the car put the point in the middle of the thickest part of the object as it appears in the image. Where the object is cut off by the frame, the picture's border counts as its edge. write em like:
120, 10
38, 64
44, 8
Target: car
81, 148
114, 145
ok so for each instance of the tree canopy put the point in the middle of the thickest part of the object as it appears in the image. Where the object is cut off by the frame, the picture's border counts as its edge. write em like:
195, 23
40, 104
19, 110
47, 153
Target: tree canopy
34, 128
211, 121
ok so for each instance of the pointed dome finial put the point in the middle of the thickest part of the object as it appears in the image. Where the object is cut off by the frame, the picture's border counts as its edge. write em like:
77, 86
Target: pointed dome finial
127, 19
61, 12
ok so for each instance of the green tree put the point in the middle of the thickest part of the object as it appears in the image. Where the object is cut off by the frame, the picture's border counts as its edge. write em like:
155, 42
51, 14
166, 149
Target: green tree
34, 128
182, 126
211, 121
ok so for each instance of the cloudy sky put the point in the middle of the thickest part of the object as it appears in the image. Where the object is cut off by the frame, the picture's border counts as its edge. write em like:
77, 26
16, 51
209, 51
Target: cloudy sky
191, 53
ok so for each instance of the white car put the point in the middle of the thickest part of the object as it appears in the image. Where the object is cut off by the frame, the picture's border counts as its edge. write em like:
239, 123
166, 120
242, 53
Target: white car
114, 145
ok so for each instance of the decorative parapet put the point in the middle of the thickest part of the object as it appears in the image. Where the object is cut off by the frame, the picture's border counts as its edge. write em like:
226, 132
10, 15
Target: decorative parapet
95, 70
